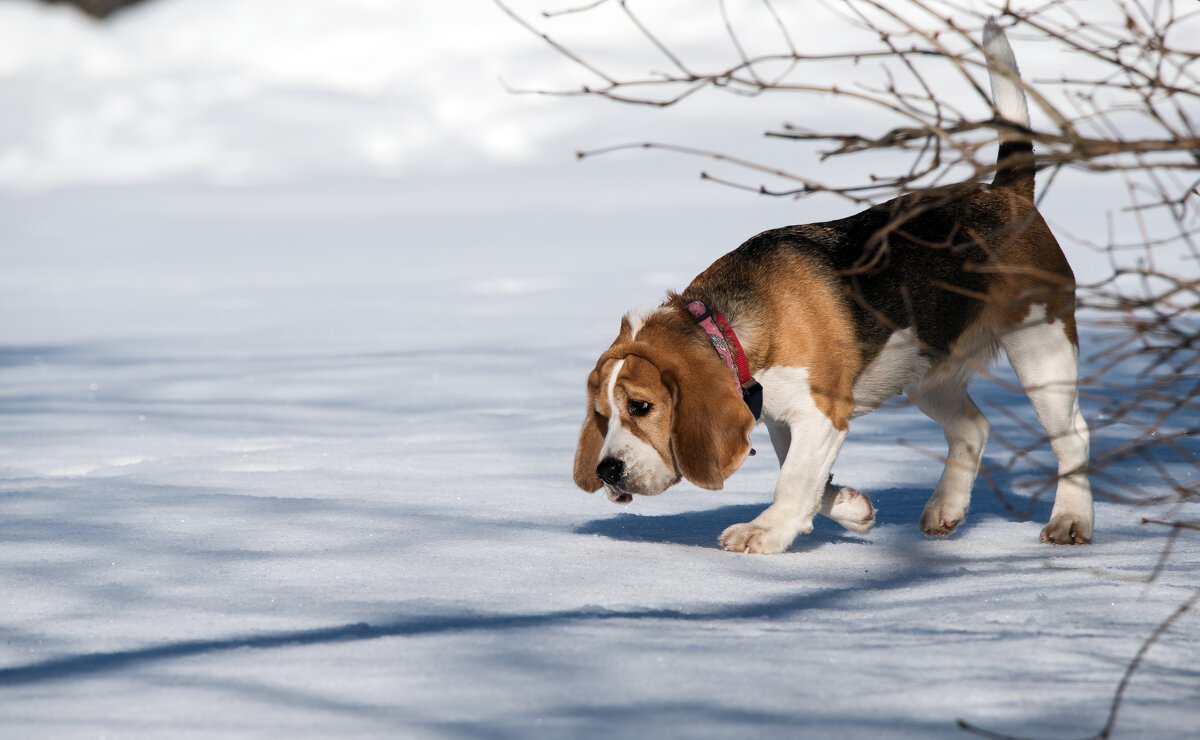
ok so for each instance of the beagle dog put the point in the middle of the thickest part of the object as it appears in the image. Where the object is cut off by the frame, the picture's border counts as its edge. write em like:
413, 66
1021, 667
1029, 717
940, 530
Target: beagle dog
816, 324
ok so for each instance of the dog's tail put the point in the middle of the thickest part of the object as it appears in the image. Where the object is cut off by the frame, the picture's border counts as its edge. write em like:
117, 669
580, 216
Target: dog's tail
1014, 162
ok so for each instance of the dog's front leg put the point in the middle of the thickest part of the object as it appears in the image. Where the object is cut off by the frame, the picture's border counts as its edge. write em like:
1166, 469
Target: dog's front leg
812, 444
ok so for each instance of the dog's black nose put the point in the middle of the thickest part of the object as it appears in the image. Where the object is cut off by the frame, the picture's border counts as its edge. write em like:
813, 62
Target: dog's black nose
610, 470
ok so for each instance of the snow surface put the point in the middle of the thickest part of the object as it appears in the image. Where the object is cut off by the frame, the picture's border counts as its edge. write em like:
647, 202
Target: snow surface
292, 459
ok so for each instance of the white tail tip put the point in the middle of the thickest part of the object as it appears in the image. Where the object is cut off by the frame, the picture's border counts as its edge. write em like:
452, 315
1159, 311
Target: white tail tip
1007, 93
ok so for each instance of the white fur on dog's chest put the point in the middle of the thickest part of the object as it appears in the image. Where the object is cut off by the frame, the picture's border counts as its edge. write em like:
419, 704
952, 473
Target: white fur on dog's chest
786, 393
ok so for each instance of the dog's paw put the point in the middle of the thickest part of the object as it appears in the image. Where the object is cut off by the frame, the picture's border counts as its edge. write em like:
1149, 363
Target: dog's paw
940, 519
1067, 529
852, 510
751, 538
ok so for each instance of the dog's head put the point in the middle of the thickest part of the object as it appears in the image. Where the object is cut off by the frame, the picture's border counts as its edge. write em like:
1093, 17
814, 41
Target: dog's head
661, 405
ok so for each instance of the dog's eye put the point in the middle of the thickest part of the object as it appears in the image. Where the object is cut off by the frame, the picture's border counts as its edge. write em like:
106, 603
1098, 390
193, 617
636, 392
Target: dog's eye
639, 408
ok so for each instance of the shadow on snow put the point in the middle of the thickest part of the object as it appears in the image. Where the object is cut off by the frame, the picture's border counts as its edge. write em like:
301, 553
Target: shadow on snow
894, 507
82, 666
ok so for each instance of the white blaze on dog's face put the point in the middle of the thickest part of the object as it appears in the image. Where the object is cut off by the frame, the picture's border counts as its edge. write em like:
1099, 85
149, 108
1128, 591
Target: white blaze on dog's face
635, 405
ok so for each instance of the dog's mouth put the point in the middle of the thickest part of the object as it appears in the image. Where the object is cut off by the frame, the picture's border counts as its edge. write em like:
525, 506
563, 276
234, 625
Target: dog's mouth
620, 496
617, 496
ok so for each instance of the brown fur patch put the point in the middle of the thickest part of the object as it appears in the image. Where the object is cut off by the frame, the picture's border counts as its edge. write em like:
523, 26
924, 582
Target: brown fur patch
591, 438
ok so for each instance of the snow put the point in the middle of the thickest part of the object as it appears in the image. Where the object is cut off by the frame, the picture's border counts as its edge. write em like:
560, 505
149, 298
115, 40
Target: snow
289, 456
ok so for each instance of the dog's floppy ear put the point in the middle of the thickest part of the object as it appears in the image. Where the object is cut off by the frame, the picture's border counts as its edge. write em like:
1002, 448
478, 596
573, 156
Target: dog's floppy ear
591, 439
710, 428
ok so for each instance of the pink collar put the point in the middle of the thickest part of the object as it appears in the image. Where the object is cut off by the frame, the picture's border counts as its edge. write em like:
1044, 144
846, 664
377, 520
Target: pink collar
726, 343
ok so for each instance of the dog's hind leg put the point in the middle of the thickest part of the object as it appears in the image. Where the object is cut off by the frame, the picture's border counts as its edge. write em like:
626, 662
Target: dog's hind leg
1046, 360
966, 431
